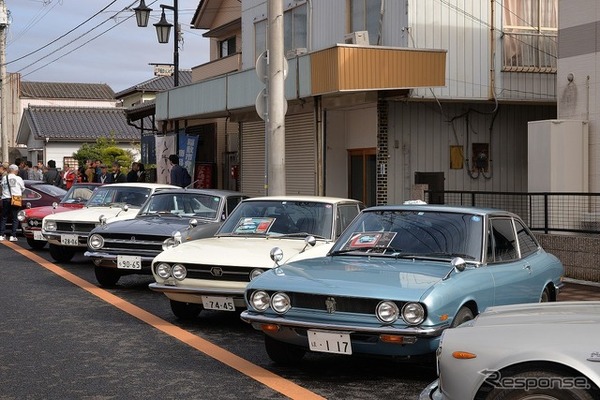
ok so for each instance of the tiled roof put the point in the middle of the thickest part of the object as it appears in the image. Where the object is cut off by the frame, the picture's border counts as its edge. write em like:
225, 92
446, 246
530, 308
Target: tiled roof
79, 123
158, 84
60, 90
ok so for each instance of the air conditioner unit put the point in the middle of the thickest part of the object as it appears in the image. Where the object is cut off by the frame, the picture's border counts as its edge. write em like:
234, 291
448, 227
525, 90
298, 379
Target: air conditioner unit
296, 52
358, 37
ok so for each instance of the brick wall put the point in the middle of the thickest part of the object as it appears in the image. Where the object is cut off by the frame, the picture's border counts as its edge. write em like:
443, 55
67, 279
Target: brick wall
382, 152
580, 255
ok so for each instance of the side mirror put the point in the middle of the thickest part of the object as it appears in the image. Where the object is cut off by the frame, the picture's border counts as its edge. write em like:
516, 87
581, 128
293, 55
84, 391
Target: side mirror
193, 223
459, 264
276, 255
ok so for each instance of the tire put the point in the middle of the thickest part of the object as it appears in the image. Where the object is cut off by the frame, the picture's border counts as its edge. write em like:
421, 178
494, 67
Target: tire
36, 244
185, 311
283, 353
550, 393
463, 315
107, 277
61, 254
545, 297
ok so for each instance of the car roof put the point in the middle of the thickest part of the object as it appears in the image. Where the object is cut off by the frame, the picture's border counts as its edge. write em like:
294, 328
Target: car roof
214, 192
442, 207
143, 185
320, 199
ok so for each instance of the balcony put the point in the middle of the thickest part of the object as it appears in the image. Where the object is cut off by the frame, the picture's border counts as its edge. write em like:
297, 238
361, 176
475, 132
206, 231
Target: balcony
221, 66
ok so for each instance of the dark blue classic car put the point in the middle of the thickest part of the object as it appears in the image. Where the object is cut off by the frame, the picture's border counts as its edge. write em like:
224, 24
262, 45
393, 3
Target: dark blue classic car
128, 247
396, 278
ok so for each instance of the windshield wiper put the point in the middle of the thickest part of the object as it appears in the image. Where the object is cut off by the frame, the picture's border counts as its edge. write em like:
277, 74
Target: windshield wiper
300, 234
373, 250
445, 254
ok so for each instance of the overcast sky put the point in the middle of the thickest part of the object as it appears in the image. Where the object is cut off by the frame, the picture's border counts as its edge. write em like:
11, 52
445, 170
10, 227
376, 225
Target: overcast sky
109, 48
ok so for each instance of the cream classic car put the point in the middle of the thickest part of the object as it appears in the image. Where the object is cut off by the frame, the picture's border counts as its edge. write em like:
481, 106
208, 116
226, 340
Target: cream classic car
67, 232
212, 273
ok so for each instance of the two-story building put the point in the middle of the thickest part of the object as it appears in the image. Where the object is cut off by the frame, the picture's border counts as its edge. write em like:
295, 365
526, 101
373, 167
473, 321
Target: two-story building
381, 95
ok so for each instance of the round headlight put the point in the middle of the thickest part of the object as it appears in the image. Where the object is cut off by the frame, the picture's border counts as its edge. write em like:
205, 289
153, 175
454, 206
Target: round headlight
163, 270
179, 272
50, 225
280, 302
387, 312
259, 300
168, 243
21, 215
96, 241
413, 313
255, 272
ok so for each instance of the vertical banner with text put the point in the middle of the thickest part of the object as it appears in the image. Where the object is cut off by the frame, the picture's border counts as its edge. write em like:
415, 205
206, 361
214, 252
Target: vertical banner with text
188, 145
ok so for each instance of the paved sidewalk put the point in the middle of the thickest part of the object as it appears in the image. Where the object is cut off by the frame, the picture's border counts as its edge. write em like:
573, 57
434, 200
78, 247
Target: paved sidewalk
575, 291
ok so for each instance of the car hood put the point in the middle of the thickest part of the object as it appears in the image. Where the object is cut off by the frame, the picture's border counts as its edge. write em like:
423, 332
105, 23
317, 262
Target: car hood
249, 252
374, 277
155, 226
549, 314
92, 214
41, 212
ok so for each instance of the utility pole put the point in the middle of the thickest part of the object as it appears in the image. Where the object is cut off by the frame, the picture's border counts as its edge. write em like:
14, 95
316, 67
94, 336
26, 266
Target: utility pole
4, 86
276, 102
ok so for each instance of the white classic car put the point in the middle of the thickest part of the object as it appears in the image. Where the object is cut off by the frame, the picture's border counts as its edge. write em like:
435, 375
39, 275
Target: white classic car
67, 232
212, 273
527, 351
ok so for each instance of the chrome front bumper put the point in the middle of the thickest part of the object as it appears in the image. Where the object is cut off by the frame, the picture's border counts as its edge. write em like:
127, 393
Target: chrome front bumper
159, 287
113, 257
254, 318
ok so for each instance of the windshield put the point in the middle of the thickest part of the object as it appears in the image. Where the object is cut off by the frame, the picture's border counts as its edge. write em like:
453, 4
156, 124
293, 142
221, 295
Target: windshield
190, 205
106, 196
427, 234
51, 190
276, 217
79, 194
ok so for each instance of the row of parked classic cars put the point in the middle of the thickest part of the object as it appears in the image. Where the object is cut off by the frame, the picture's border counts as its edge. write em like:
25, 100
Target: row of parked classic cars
326, 274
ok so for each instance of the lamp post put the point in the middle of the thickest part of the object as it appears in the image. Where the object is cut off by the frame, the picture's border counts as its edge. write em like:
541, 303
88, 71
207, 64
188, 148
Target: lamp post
163, 30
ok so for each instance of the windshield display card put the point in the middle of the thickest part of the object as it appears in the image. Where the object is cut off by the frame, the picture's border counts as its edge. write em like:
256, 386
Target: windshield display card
369, 240
253, 225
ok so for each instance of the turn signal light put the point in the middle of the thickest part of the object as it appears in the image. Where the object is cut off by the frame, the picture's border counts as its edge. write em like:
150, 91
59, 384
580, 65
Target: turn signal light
270, 328
463, 355
395, 339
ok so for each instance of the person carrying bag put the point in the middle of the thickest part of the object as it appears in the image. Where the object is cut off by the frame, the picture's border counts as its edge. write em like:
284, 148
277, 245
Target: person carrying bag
12, 195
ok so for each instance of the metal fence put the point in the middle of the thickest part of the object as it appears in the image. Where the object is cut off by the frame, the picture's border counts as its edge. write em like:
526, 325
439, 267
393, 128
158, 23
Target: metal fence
547, 212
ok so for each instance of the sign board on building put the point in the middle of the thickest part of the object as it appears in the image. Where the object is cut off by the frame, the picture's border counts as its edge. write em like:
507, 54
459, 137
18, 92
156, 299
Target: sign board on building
163, 70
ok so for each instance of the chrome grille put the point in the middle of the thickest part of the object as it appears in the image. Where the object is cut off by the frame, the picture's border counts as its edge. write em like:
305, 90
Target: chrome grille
218, 272
72, 227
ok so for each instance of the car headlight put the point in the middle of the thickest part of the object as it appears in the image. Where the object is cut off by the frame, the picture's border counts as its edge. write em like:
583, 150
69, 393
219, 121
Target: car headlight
96, 241
280, 302
260, 300
413, 313
255, 272
179, 272
387, 311
50, 225
163, 270
21, 216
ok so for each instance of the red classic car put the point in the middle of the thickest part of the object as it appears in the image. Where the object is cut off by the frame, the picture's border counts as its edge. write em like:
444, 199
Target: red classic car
31, 218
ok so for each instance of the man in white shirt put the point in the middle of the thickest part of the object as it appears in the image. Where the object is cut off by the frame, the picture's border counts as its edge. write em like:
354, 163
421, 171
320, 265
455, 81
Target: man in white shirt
12, 185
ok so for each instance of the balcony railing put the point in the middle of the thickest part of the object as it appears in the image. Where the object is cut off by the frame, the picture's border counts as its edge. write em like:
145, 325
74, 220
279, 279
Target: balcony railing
217, 67
530, 52
547, 212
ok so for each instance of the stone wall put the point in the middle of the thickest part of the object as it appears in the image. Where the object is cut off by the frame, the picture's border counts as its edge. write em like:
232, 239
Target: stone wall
580, 255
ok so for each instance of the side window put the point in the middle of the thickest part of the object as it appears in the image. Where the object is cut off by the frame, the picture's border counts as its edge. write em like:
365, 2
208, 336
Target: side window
527, 242
345, 215
504, 240
29, 194
232, 202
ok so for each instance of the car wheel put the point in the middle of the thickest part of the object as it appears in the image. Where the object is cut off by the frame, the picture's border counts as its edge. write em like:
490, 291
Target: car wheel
60, 253
283, 353
464, 314
545, 377
185, 311
36, 244
545, 297
107, 277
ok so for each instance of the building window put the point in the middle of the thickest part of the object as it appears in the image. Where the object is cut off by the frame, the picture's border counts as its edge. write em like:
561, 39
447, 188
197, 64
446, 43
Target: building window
365, 16
294, 28
227, 47
530, 33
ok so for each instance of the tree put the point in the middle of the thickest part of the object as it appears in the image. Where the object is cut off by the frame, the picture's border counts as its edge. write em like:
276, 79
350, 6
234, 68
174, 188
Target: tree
106, 150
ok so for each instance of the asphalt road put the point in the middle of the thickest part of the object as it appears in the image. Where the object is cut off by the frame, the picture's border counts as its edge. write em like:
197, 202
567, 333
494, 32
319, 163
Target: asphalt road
63, 337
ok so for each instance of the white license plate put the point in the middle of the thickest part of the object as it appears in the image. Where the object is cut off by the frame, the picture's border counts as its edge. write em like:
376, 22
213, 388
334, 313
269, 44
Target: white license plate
129, 262
69, 240
330, 342
37, 235
218, 303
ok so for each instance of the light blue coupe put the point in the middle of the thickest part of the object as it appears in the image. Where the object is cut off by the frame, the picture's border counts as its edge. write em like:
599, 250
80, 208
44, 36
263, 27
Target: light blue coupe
396, 278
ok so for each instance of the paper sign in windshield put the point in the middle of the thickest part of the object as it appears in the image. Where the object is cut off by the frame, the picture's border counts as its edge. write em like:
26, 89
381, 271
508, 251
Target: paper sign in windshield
370, 240
254, 225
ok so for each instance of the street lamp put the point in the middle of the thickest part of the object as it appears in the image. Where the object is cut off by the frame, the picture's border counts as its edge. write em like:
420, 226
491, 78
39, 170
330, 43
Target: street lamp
163, 30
